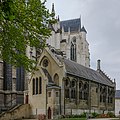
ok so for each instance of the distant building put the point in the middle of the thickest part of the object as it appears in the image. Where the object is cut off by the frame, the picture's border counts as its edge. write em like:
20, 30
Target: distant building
117, 102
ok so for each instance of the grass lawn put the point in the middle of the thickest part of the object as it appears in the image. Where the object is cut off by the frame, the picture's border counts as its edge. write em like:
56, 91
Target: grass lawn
73, 119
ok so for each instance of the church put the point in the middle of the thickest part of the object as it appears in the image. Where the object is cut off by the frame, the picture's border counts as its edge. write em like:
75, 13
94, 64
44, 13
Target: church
64, 83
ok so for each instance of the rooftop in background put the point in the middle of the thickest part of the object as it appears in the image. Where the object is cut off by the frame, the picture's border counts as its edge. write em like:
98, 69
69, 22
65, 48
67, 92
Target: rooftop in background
73, 24
117, 94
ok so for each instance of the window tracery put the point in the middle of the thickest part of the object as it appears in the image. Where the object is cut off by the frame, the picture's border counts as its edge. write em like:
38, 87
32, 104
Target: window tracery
103, 94
37, 86
83, 90
73, 49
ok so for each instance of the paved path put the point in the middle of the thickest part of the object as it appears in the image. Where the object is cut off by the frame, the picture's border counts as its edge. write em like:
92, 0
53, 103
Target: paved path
89, 119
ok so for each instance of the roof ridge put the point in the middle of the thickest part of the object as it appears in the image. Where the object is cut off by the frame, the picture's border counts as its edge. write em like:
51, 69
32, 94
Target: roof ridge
70, 19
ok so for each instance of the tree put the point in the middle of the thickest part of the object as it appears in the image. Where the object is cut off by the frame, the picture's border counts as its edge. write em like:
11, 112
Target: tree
22, 23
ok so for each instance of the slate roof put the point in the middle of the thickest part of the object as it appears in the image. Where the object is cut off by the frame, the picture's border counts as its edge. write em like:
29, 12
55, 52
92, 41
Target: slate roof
78, 70
117, 94
73, 24
83, 29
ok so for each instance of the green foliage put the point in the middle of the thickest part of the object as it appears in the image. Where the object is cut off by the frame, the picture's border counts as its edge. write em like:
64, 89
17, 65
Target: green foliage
83, 115
111, 115
22, 23
94, 114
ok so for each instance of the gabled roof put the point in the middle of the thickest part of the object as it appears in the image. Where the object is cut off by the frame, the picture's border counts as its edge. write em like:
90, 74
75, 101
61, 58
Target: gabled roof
117, 94
73, 24
78, 70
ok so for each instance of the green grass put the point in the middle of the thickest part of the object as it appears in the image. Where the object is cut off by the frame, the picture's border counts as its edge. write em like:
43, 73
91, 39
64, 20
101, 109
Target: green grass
73, 119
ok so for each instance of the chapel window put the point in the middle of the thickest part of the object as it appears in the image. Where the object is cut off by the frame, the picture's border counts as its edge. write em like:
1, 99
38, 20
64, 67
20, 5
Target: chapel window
73, 93
67, 93
111, 100
36, 85
100, 98
56, 79
104, 98
80, 95
73, 83
85, 95
45, 63
86, 86
67, 82
73, 49
40, 85
80, 85
33, 86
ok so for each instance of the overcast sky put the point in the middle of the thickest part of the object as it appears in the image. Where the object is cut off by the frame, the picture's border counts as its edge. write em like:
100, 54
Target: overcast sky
101, 19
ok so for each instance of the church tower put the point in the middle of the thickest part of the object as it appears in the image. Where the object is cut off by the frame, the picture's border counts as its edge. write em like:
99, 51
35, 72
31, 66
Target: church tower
69, 37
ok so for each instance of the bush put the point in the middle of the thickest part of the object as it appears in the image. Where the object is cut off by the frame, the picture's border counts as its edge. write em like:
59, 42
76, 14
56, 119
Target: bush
94, 115
83, 115
110, 114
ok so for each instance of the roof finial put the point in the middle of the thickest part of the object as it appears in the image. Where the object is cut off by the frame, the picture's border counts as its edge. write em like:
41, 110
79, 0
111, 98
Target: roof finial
114, 80
58, 18
53, 9
80, 21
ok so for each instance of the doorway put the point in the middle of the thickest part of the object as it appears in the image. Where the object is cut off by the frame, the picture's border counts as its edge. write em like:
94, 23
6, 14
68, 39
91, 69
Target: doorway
49, 113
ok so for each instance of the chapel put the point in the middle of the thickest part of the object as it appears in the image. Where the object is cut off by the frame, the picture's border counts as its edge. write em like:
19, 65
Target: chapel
64, 83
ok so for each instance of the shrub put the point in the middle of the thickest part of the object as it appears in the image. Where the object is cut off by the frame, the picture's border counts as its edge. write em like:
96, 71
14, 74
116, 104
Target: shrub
94, 115
110, 114
83, 115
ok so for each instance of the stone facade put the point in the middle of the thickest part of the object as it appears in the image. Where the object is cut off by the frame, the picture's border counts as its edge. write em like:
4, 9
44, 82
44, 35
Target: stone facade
68, 37
65, 92
9, 96
64, 83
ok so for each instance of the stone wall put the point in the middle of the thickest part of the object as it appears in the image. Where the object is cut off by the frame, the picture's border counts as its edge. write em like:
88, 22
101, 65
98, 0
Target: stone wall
21, 111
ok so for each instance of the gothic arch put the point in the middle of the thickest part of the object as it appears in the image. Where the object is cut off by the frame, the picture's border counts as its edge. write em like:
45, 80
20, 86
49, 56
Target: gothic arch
67, 82
56, 79
73, 49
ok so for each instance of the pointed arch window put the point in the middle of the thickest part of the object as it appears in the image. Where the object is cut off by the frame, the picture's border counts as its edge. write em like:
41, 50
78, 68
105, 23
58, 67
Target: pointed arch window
37, 86
33, 86
56, 79
73, 49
